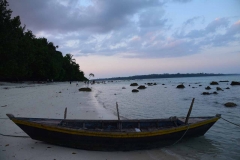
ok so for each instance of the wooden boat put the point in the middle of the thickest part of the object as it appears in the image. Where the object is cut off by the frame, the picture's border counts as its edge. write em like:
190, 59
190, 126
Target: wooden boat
112, 135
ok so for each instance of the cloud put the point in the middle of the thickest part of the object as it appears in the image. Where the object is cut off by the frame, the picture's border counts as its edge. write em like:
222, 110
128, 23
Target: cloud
191, 21
182, 1
232, 35
210, 28
126, 28
152, 18
98, 17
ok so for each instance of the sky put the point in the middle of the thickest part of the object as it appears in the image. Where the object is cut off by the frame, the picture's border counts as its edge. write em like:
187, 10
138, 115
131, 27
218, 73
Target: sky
116, 38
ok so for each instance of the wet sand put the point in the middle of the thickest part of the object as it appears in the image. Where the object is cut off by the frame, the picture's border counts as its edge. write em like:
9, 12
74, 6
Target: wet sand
49, 101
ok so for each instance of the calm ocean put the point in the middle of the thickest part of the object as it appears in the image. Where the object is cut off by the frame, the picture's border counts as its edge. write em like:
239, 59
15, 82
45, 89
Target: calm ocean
163, 100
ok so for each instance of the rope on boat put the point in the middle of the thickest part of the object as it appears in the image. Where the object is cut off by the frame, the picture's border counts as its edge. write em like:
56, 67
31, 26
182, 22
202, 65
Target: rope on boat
6, 135
180, 138
230, 122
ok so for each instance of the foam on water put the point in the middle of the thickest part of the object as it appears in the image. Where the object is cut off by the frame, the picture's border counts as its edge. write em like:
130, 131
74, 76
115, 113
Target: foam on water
222, 141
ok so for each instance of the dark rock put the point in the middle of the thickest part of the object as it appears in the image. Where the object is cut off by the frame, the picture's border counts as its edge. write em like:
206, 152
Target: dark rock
227, 88
141, 87
219, 89
223, 81
207, 88
163, 84
206, 93
181, 86
123, 88
200, 85
154, 83
214, 83
189, 85
215, 93
85, 89
230, 104
149, 84
193, 87
134, 84
135, 90
235, 83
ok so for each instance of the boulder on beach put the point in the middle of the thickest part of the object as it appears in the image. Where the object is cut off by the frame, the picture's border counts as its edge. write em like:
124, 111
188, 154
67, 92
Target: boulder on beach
230, 104
135, 90
123, 88
141, 87
200, 85
235, 83
215, 93
85, 89
214, 83
206, 93
181, 86
207, 88
133, 84
227, 88
154, 83
219, 89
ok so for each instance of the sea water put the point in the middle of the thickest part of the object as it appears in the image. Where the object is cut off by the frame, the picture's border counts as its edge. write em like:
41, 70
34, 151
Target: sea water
164, 100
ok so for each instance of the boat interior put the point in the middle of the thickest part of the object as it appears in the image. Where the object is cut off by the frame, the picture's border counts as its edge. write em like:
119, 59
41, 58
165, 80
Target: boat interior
118, 126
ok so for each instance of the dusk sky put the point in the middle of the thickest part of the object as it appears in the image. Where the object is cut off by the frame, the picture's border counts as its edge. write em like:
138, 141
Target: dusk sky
115, 38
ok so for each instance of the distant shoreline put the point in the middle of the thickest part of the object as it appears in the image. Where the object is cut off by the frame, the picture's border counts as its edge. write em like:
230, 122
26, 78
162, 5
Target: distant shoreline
154, 76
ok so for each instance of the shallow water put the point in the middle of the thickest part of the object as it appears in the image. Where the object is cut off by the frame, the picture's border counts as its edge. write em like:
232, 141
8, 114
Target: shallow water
222, 141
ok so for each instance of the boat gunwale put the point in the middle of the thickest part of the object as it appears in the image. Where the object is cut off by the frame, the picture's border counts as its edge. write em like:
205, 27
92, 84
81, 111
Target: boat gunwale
113, 134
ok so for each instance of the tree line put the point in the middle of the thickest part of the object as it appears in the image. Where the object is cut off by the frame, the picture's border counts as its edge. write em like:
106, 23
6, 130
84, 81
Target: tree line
153, 76
23, 57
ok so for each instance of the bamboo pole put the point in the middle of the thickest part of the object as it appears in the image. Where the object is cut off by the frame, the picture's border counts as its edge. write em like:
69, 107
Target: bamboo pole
119, 123
117, 111
65, 113
189, 111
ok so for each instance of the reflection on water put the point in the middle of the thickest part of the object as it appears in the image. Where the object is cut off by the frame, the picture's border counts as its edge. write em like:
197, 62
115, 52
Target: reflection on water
196, 148
162, 101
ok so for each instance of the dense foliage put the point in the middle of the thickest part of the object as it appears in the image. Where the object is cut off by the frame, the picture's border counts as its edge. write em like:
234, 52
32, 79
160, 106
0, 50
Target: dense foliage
25, 57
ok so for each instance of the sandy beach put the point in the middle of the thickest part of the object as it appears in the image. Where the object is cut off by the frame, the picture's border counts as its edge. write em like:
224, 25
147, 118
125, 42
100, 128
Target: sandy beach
49, 101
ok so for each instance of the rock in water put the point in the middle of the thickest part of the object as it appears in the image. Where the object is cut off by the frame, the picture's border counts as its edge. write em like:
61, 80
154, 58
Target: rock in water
230, 104
207, 88
219, 89
135, 90
85, 89
133, 84
181, 86
214, 83
235, 83
141, 87
205, 93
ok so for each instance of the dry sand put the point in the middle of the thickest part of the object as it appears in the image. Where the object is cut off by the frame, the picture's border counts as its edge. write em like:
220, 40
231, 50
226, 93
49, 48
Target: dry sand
49, 101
